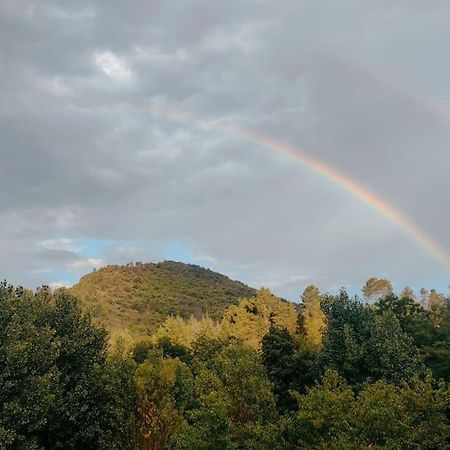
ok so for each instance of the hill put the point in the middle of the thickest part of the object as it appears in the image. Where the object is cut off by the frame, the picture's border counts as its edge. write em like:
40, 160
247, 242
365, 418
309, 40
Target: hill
140, 296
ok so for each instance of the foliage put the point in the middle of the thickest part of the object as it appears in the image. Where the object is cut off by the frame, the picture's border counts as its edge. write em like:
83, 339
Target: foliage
376, 288
381, 415
119, 417
52, 364
363, 345
139, 297
341, 374
186, 332
164, 389
429, 329
251, 319
312, 321
289, 364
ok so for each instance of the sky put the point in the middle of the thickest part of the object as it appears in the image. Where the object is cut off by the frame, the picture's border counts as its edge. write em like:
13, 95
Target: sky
96, 167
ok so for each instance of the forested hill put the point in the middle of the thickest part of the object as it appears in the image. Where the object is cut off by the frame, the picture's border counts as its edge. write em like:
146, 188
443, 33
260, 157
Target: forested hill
139, 296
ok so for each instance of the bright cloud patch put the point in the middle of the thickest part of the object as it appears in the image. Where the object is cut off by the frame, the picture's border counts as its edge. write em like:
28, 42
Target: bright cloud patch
59, 284
87, 263
113, 66
60, 244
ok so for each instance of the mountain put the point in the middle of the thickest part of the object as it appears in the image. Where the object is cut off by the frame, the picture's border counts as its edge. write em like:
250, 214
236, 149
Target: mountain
140, 296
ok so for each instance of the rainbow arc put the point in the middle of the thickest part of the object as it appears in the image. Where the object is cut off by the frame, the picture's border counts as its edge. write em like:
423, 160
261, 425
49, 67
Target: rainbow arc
317, 166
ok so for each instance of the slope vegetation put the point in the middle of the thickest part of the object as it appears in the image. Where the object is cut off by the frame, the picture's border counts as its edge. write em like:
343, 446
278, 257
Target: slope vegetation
140, 296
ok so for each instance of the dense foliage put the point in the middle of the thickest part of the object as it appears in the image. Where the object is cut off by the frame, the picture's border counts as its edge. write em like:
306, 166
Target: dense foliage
335, 373
57, 387
138, 297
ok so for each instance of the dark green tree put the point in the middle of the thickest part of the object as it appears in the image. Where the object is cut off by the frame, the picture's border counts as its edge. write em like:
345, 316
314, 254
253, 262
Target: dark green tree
29, 377
77, 413
363, 345
278, 356
429, 329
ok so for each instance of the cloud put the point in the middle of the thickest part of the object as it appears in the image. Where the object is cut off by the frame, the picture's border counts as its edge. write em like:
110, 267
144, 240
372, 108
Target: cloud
61, 244
112, 66
83, 159
59, 284
86, 264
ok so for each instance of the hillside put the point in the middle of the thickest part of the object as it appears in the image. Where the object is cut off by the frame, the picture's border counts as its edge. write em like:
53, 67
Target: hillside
140, 296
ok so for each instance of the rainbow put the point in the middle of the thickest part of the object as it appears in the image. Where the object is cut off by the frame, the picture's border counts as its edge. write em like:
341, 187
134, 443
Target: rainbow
320, 168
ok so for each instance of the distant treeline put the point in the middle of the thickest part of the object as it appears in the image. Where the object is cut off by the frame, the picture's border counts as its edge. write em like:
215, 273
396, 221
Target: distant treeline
333, 373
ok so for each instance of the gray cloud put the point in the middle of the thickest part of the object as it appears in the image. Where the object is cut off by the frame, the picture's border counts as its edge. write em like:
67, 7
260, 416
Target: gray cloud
363, 87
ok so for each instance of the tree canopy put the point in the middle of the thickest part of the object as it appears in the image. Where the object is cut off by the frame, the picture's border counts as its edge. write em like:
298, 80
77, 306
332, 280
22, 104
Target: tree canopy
335, 372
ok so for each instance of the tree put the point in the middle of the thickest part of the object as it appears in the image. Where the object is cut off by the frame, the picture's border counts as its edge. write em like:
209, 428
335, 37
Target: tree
52, 388
313, 318
28, 372
248, 390
278, 350
251, 319
207, 427
407, 416
234, 406
436, 301
76, 416
185, 332
436, 349
289, 364
165, 390
429, 329
119, 417
362, 344
322, 414
381, 415
414, 320
408, 293
376, 288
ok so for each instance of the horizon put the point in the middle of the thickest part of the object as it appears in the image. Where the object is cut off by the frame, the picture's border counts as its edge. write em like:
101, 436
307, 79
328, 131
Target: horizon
353, 292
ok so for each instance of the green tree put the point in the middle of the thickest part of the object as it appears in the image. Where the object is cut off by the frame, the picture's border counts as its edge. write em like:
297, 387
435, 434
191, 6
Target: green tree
165, 389
406, 416
278, 350
28, 373
208, 426
78, 409
322, 414
289, 364
361, 344
52, 363
429, 329
381, 415
243, 377
119, 417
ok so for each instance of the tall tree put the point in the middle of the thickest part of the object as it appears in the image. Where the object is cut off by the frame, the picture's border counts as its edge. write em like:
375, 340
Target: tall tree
435, 300
278, 349
165, 390
312, 316
376, 288
408, 293
290, 365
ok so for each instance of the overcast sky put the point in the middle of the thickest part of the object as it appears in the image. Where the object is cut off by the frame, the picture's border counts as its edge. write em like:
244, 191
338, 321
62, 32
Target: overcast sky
91, 175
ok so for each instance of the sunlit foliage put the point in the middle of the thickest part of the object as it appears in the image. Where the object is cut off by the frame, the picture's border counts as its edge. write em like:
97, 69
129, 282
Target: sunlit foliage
335, 373
138, 297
